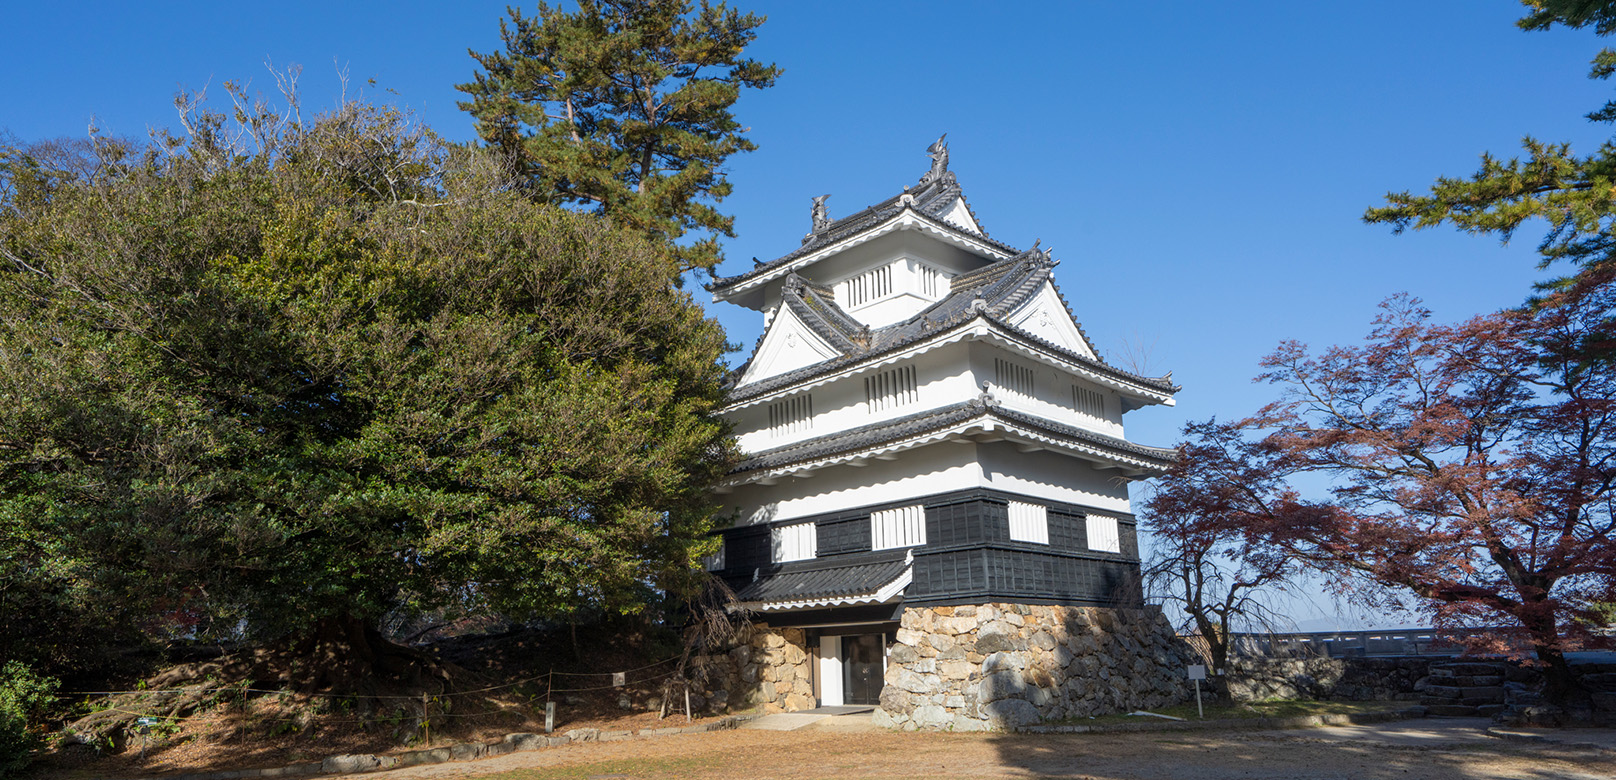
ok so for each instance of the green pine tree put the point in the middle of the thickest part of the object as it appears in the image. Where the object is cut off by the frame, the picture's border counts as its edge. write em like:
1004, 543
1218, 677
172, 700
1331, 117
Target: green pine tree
624, 107
1575, 194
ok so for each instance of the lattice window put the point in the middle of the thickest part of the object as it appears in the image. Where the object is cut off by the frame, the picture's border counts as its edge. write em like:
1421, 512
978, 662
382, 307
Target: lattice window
1012, 376
868, 286
715, 562
930, 282
901, 527
1102, 532
792, 415
1088, 402
793, 542
1029, 523
890, 389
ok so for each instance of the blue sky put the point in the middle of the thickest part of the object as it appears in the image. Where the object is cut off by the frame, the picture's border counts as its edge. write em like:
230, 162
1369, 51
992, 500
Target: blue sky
1199, 168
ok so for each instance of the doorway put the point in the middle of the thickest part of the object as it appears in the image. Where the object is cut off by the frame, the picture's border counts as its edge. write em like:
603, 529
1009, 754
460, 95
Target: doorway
852, 669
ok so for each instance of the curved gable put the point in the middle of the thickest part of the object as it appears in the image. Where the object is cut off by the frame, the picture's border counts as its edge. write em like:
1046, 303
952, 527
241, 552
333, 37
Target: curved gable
789, 344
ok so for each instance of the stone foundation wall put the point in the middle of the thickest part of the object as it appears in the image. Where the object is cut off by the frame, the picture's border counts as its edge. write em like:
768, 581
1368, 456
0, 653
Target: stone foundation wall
972, 668
1340, 679
768, 669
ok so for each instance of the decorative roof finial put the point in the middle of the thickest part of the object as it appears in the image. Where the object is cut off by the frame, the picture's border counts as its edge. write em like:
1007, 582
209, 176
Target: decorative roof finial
820, 214
939, 160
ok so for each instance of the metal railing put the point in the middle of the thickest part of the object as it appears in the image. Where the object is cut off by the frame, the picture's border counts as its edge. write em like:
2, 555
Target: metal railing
1340, 644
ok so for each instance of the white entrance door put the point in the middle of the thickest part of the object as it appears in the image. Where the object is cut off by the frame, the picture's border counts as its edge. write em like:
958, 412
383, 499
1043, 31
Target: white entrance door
830, 671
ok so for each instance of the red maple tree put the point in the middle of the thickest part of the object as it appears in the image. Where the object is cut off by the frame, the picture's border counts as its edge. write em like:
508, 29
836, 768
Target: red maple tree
1207, 560
1471, 466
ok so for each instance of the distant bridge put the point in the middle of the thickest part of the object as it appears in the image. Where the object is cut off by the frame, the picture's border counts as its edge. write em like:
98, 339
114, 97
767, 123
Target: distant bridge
1342, 644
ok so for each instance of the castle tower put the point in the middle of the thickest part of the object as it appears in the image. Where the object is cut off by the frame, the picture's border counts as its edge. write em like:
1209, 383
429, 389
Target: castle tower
925, 426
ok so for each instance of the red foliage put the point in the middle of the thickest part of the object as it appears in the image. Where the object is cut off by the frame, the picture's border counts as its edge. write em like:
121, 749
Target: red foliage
1471, 466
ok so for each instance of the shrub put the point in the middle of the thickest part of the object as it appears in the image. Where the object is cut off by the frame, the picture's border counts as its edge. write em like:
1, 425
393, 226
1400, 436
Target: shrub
23, 697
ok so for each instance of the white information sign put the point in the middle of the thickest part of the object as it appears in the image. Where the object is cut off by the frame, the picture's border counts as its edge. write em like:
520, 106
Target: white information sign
1197, 671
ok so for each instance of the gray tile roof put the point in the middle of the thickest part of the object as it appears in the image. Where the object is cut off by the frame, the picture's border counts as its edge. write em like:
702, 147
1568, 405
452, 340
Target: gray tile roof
994, 292
844, 576
855, 439
931, 199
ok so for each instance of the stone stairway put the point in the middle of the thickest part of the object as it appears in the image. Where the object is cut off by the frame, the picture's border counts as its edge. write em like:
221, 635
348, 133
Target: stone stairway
1464, 689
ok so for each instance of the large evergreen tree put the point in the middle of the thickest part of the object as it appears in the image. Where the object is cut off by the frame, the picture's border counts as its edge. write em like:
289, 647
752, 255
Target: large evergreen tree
1575, 194
339, 373
624, 106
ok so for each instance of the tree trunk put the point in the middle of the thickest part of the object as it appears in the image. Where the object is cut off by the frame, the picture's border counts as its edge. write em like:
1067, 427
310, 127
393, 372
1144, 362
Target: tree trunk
1560, 686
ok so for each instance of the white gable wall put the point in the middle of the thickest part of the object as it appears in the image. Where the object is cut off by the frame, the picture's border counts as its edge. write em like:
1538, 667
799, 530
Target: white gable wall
959, 214
1046, 317
787, 346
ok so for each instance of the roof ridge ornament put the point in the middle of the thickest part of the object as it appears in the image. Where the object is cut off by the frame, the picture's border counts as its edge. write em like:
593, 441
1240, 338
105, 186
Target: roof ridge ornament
986, 400
821, 215
938, 152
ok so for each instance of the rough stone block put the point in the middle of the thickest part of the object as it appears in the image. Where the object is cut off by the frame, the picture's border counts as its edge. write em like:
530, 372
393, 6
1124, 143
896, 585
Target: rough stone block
1010, 713
1000, 685
1001, 661
995, 638
883, 719
954, 670
582, 735
341, 765
931, 716
909, 637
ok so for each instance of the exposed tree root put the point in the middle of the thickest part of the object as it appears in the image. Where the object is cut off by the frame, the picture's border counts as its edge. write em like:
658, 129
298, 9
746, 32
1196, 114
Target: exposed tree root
341, 669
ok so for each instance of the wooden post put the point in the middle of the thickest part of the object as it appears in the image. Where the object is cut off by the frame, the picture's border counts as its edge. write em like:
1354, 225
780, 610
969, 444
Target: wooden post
687, 703
426, 723
549, 706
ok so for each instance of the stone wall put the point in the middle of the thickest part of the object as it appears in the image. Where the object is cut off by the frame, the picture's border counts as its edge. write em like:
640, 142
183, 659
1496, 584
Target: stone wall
1340, 679
768, 669
972, 668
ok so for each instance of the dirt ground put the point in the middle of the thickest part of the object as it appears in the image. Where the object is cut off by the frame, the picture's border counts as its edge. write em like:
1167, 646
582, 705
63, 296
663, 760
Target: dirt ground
1303, 754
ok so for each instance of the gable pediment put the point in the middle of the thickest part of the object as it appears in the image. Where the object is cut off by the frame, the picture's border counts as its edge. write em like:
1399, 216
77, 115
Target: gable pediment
787, 345
1044, 315
959, 215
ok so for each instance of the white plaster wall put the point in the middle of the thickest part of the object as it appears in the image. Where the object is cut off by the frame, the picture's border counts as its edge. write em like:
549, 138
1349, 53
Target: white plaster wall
943, 467
942, 378
1052, 391
1052, 476
937, 468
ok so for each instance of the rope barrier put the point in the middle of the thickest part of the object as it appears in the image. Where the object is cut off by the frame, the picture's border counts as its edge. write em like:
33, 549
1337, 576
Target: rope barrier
412, 697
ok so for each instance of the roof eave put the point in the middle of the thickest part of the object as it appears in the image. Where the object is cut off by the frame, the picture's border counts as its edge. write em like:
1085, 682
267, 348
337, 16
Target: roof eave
905, 218
984, 424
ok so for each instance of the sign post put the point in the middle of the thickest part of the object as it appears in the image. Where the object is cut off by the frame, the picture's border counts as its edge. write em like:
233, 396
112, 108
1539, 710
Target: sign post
1198, 673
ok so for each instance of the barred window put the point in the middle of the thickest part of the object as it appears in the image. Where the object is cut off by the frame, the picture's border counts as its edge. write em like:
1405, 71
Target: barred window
1029, 523
930, 281
1088, 402
868, 286
891, 389
1103, 534
901, 527
1012, 376
792, 415
793, 542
